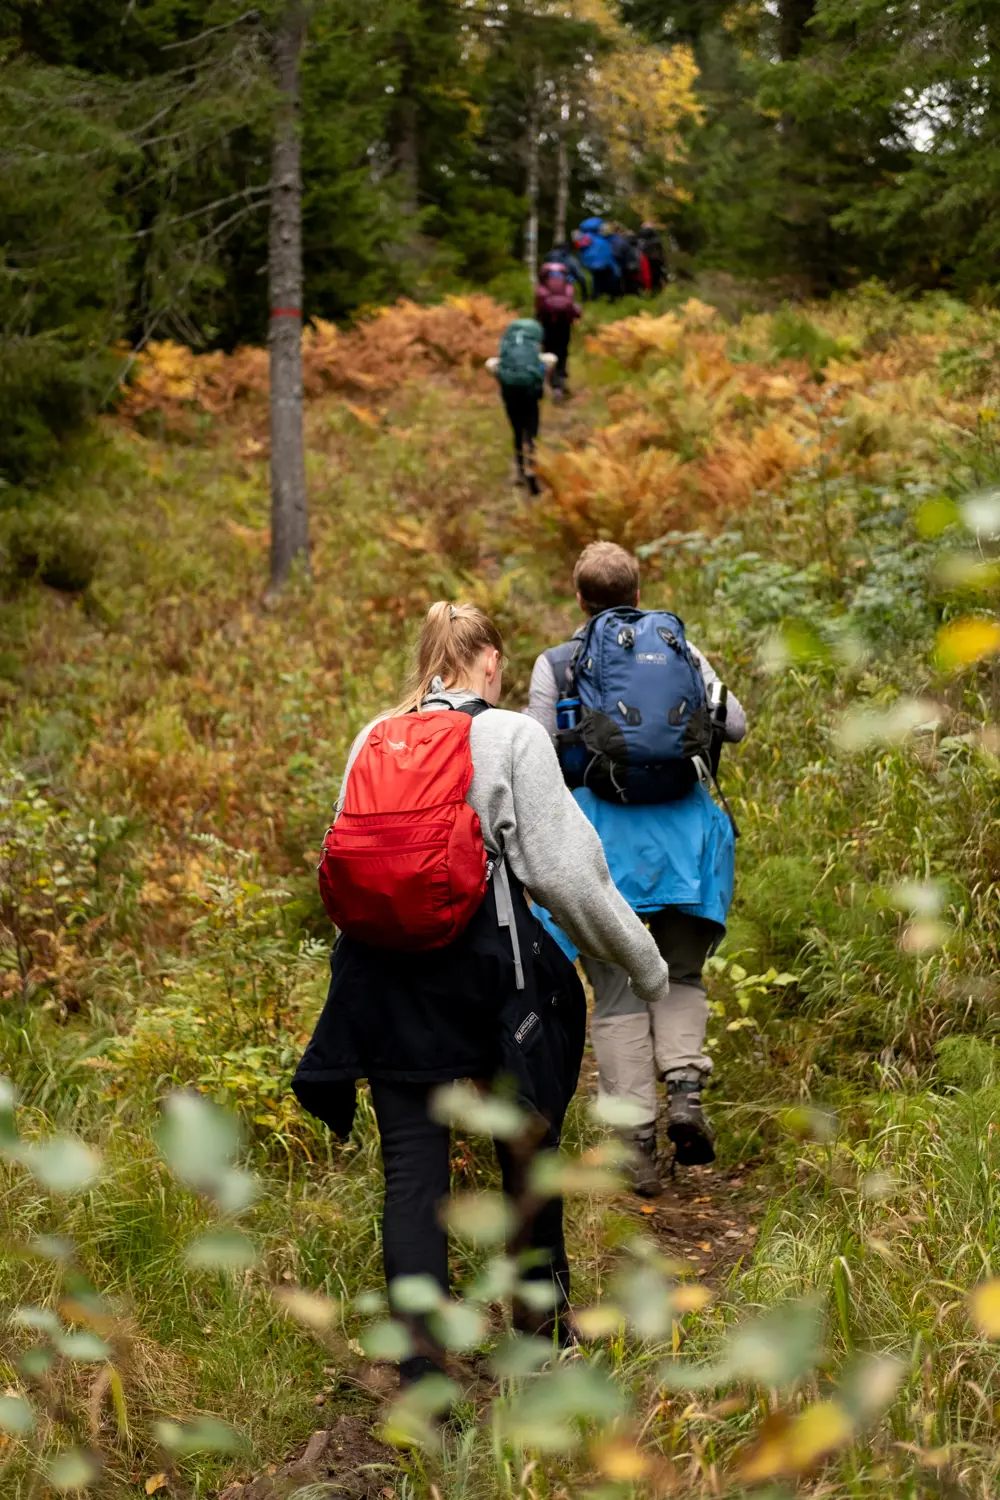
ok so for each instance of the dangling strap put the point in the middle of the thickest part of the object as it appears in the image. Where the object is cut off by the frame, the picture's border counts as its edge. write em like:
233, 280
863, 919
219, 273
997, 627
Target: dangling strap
505, 916
707, 775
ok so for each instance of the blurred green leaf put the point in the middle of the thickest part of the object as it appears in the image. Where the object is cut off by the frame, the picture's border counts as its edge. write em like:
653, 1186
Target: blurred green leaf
61, 1165
860, 728
235, 1190
520, 1354
16, 1415
387, 1340
221, 1250
458, 1326
486, 1217
201, 1435
198, 1139
869, 1385
52, 1247
554, 1175
73, 1470
415, 1294
771, 1351
84, 1347
369, 1304
620, 1114
410, 1419
36, 1362
43, 1319
495, 1281
486, 1114
545, 1414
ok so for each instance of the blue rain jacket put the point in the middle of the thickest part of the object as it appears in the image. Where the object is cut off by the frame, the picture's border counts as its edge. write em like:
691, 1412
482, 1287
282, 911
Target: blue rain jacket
598, 255
671, 854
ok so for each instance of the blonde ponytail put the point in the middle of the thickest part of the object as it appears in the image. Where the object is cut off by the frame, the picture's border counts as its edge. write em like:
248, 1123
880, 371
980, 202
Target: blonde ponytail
451, 638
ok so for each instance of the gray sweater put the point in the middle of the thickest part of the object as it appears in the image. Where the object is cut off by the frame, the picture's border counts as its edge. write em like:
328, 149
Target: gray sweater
526, 809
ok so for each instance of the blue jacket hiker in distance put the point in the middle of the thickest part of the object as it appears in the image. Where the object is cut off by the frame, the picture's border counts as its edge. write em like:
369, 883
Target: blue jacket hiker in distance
597, 254
673, 863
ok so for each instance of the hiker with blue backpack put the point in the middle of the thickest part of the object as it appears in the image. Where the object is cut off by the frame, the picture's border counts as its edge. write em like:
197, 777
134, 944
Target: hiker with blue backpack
520, 368
638, 717
597, 254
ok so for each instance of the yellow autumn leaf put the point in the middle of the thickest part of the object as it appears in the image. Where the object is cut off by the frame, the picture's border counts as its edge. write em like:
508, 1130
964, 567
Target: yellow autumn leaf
767, 1460
815, 1432
984, 1305
600, 1321
363, 414
155, 1482
690, 1298
622, 1461
792, 1446
964, 641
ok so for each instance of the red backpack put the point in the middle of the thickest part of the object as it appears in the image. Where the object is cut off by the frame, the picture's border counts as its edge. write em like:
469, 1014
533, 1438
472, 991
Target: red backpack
405, 866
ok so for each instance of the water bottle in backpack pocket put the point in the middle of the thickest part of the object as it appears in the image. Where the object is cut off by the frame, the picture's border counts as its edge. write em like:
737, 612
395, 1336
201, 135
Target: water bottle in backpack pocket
644, 732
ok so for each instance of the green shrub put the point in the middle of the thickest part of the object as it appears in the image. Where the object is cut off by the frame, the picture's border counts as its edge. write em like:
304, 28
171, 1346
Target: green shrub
53, 547
795, 337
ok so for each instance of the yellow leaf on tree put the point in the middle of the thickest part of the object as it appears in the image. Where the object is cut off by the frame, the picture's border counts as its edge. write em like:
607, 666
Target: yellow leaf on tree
964, 641
984, 1305
155, 1482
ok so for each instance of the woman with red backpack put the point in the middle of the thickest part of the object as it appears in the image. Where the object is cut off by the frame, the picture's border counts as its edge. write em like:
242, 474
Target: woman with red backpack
451, 812
557, 309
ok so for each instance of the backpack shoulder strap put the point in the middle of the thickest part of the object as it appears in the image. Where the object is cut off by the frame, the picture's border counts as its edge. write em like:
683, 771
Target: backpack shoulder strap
562, 659
476, 707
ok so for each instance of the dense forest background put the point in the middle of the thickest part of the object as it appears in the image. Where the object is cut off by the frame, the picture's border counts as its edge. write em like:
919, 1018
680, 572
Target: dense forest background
821, 141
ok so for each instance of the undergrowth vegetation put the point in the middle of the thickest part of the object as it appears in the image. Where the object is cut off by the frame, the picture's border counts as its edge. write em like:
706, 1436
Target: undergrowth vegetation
812, 490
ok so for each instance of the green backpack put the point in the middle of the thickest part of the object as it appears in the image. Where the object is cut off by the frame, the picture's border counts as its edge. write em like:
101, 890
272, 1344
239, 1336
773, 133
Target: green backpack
521, 355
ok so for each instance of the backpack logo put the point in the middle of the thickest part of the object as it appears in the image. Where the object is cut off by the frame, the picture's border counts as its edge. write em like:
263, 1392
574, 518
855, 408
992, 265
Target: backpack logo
396, 744
526, 1027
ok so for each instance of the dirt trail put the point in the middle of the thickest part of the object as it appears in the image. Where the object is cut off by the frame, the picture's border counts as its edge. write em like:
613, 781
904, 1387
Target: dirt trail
707, 1217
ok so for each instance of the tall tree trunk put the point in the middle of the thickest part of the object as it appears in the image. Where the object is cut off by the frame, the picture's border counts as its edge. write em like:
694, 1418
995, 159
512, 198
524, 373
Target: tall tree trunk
793, 20
408, 157
289, 513
531, 229
562, 184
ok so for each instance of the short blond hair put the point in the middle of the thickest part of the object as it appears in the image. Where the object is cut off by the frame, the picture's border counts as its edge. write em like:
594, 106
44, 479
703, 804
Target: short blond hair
606, 577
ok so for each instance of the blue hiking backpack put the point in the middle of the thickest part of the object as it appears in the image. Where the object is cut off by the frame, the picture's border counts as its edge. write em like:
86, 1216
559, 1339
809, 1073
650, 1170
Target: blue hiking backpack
635, 724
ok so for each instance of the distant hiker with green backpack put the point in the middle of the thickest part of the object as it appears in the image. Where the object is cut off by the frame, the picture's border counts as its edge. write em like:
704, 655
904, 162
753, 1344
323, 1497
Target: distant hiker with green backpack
520, 367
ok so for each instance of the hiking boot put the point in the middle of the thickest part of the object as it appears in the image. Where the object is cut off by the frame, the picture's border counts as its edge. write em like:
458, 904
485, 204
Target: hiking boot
642, 1173
686, 1123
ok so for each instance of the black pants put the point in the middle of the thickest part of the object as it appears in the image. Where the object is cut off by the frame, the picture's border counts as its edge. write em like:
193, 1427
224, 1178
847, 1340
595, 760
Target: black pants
556, 341
607, 283
521, 404
415, 1159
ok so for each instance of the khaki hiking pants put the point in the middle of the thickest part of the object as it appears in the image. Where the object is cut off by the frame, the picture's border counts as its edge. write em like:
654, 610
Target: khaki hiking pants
634, 1043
